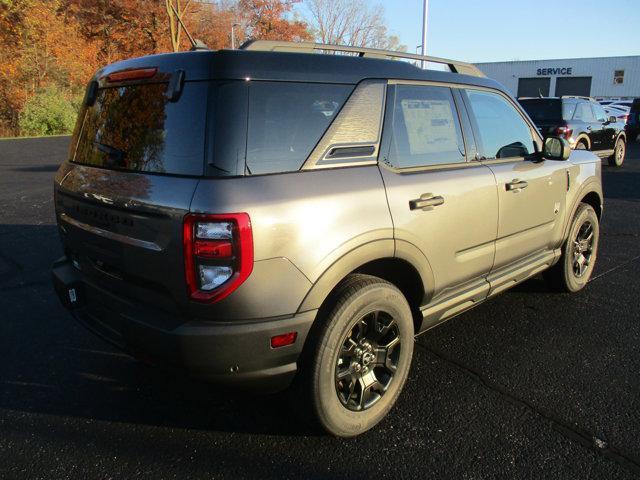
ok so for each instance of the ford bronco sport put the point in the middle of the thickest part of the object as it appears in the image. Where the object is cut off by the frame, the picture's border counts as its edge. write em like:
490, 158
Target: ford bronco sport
274, 213
583, 122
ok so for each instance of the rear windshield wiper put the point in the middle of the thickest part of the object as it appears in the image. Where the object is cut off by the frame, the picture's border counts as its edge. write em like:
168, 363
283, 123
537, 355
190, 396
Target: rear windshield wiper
114, 154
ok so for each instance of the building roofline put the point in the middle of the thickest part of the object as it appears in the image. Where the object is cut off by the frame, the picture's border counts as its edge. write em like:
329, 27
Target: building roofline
557, 59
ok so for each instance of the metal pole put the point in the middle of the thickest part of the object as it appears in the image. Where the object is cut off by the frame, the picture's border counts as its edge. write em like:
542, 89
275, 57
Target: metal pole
425, 12
233, 37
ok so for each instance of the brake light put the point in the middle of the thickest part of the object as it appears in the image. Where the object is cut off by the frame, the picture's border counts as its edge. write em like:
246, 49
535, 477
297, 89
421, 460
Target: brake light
130, 75
218, 254
564, 132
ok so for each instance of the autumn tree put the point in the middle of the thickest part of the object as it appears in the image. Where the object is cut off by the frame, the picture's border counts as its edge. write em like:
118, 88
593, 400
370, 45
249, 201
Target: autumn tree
56, 45
351, 22
39, 48
267, 19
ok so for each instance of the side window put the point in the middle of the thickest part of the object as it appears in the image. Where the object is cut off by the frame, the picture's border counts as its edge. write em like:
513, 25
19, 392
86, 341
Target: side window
584, 113
426, 129
601, 115
568, 110
286, 120
502, 130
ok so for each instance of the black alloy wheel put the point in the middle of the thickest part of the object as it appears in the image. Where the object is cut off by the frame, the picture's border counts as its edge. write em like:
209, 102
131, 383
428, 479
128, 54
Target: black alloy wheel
367, 361
583, 249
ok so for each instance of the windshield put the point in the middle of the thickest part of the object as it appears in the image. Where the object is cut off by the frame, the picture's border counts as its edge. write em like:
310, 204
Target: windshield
137, 128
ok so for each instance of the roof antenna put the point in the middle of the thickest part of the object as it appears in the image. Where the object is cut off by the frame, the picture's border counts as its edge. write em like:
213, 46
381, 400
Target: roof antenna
195, 44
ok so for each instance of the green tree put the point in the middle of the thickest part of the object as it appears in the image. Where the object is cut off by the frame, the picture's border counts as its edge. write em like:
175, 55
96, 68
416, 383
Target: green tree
48, 112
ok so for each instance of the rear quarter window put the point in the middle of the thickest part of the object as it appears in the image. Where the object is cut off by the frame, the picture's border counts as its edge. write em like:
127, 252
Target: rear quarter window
136, 128
286, 121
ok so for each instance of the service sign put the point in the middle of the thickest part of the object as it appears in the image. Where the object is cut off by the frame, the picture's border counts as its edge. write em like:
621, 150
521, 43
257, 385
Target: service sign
555, 71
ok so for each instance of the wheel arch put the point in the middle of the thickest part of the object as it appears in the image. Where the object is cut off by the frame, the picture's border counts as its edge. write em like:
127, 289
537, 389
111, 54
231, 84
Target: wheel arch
590, 194
585, 137
400, 263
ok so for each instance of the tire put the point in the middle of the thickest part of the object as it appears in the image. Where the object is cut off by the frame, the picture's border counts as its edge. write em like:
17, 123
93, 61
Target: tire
617, 159
572, 272
349, 390
581, 145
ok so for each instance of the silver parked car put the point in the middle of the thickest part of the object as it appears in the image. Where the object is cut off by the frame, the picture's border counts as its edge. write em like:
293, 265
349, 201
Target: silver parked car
271, 215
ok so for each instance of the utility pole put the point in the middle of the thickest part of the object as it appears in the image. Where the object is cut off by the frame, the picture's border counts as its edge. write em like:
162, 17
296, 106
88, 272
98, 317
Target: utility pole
233, 35
425, 13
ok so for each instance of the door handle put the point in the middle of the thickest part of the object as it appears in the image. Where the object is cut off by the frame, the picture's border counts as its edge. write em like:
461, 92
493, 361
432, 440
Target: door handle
516, 185
426, 201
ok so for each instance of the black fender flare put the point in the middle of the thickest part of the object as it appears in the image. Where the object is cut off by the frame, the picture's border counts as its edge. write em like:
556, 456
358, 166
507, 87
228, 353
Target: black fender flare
589, 187
585, 137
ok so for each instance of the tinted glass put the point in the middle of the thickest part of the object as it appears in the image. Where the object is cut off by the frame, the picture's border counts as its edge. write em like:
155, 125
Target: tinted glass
286, 120
543, 110
136, 128
503, 131
599, 112
426, 128
584, 113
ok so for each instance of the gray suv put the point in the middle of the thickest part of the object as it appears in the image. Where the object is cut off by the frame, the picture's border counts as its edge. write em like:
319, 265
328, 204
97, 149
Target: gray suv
276, 215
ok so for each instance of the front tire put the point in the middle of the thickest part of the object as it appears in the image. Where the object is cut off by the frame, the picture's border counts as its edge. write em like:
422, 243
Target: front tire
574, 269
362, 356
617, 159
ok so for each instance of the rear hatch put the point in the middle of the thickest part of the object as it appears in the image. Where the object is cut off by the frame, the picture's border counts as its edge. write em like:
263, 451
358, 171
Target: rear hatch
136, 158
547, 113
634, 114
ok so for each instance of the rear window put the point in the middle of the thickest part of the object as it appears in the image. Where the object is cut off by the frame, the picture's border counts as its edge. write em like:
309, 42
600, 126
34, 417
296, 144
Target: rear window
136, 128
548, 110
286, 121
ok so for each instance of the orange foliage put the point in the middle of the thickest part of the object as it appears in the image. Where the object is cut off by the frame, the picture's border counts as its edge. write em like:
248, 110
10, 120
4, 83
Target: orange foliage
63, 42
267, 20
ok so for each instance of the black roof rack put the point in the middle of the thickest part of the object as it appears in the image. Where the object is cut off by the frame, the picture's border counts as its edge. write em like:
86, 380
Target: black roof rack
309, 47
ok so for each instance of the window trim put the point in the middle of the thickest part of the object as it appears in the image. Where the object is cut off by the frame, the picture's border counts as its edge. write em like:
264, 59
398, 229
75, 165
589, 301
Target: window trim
387, 131
361, 94
533, 130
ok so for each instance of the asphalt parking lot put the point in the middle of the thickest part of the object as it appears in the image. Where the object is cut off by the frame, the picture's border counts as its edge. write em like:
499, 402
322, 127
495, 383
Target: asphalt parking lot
529, 385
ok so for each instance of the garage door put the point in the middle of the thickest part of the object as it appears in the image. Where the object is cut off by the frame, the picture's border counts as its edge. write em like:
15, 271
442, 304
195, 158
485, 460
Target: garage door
534, 87
573, 86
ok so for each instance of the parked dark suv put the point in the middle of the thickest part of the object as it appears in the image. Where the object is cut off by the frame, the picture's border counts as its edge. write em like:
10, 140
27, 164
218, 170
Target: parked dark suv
583, 122
272, 215
633, 121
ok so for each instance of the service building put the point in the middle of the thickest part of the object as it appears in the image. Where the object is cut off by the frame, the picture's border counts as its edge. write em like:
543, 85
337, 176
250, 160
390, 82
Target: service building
602, 77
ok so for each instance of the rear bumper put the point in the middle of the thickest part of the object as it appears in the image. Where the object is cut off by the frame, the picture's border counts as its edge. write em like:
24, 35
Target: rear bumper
232, 353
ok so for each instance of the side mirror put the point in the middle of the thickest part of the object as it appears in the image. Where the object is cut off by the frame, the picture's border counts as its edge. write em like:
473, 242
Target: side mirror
612, 119
556, 148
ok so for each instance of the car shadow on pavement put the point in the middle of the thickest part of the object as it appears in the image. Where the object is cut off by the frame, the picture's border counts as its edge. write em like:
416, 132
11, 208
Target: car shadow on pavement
54, 366
620, 183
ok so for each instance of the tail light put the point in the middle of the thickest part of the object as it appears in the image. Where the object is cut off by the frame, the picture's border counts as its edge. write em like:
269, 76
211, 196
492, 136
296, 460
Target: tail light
564, 132
218, 254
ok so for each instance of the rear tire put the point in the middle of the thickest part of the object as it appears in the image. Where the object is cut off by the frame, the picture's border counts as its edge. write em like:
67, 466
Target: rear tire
360, 356
581, 145
579, 253
617, 159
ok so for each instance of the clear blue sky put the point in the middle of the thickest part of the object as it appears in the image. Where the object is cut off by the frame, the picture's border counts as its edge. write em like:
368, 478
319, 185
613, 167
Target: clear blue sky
494, 30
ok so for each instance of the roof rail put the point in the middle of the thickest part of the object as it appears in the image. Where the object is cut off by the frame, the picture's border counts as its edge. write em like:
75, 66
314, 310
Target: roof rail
310, 47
